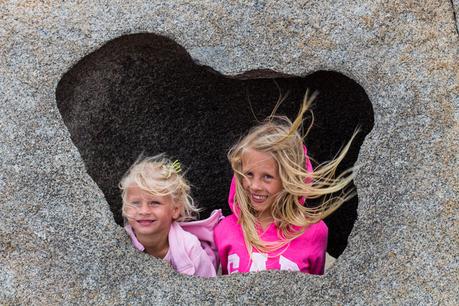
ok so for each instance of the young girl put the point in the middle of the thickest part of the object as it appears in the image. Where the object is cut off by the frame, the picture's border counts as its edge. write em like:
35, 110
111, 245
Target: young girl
155, 198
271, 227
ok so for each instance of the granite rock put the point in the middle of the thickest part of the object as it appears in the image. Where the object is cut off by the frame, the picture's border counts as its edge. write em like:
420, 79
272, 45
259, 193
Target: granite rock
59, 241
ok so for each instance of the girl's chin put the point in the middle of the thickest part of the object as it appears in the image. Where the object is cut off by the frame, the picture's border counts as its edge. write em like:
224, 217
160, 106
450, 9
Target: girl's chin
259, 209
260, 206
262, 211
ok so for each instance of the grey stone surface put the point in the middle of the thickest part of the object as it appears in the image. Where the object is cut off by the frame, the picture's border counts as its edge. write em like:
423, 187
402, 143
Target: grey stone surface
456, 13
59, 241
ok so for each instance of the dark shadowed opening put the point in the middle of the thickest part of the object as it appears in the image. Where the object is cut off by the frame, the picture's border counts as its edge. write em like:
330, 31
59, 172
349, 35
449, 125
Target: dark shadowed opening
143, 93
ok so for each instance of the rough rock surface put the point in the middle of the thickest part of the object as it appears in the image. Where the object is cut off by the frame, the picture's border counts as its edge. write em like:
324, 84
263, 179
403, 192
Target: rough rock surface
59, 241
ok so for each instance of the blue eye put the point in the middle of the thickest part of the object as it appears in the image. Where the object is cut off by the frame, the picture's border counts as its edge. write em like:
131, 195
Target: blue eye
153, 203
135, 203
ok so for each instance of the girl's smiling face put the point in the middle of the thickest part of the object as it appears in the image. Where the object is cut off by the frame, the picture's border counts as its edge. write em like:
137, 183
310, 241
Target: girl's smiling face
150, 214
261, 180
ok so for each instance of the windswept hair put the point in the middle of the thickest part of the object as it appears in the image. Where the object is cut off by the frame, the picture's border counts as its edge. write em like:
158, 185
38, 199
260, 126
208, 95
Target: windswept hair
158, 176
280, 137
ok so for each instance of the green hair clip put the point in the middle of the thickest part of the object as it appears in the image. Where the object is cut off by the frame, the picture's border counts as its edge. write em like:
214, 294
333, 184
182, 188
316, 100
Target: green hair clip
176, 166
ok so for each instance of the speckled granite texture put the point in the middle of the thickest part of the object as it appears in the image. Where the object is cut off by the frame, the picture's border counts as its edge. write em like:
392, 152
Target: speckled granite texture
59, 241
456, 13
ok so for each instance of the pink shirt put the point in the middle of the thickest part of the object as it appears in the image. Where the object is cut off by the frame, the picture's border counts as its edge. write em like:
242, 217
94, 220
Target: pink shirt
191, 246
305, 253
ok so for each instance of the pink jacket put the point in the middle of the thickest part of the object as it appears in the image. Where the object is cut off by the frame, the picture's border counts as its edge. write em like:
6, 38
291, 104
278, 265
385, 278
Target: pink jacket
192, 250
305, 253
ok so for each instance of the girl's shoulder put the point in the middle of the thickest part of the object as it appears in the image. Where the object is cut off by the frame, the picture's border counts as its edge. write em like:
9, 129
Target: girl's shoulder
229, 225
315, 234
317, 230
313, 242
203, 229
189, 255
178, 232
228, 221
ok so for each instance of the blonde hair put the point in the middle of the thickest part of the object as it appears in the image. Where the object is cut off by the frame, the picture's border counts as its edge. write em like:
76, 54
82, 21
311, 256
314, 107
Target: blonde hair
160, 176
280, 138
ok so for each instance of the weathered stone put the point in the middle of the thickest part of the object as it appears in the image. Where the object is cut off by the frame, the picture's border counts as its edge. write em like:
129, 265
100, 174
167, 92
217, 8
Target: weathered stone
59, 241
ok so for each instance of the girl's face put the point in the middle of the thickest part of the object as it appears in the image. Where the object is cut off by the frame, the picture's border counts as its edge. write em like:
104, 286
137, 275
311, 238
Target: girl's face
150, 214
261, 182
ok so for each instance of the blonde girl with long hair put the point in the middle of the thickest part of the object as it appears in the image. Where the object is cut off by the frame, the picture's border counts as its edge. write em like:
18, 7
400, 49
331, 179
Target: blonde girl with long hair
272, 226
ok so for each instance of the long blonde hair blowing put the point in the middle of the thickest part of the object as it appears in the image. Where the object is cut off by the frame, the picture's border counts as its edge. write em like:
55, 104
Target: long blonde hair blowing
280, 138
158, 176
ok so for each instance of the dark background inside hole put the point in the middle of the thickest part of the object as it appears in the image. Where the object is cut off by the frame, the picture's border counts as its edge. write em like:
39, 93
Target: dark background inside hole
143, 93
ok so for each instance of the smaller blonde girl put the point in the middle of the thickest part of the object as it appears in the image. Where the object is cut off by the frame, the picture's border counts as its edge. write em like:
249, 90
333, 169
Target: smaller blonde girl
156, 204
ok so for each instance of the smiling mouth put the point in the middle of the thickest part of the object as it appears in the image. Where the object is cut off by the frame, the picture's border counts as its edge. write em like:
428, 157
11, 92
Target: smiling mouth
145, 222
257, 198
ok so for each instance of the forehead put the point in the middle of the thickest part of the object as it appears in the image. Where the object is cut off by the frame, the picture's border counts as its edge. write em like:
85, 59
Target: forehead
136, 191
257, 160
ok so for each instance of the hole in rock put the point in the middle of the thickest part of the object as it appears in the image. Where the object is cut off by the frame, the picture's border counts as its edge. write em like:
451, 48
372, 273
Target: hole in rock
143, 93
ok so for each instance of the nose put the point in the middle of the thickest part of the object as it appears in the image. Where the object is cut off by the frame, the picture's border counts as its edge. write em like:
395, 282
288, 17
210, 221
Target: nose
143, 209
255, 184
